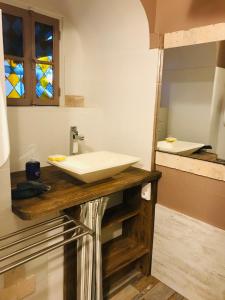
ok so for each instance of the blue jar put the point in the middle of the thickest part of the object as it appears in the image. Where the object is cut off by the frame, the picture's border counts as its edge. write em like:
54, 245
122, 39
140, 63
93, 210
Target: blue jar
33, 170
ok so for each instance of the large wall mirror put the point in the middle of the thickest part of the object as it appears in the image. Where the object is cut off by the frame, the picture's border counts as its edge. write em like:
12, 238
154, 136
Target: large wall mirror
191, 118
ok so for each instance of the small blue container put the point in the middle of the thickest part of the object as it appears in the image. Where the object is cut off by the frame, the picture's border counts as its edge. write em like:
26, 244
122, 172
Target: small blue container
33, 170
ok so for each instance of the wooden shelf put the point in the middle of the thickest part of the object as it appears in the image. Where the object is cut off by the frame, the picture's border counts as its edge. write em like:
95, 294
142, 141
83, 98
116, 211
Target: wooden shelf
118, 214
120, 252
67, 192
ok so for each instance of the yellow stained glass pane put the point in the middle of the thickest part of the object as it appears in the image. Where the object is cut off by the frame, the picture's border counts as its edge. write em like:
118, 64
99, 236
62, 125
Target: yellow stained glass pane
44, 68
45, 59
14, 94
14, 79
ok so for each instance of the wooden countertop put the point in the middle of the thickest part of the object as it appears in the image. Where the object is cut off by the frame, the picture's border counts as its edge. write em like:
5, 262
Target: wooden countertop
206, 156
67, 192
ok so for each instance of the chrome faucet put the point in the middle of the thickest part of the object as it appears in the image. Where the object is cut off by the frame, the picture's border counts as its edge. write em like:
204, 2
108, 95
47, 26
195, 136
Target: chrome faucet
74, 138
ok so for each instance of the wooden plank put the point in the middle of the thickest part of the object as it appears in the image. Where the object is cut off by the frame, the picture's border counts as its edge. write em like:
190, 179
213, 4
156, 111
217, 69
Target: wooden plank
134, 229
120, 252
70, 274
188, 255
141, 227
159, 291
70, 261
145, 283
137, 233
194, 36
118, 214
67, 192
145, 287
157, 106
74, 101
128, 293
176, 297
116, 282
191, 165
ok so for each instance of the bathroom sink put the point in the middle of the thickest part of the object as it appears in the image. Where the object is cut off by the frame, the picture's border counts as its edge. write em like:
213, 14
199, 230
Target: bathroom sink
94, 166
178, 147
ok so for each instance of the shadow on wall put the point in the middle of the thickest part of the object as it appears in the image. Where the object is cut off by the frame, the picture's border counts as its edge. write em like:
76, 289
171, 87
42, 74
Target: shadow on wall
206, 8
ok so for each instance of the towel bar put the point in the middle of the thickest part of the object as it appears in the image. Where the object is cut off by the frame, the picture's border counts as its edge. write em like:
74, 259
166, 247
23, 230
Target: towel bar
67, 228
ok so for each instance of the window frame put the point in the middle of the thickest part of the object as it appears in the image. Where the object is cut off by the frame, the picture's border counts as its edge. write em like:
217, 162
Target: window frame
29, 60
19, 12
55, 63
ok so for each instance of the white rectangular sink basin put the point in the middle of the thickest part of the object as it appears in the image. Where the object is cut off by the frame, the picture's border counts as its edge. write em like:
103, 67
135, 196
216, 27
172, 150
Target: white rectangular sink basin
178, 147
94, 166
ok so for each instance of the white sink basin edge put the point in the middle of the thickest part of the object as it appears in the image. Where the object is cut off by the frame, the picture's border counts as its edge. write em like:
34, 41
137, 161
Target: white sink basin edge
95, 166
178, 147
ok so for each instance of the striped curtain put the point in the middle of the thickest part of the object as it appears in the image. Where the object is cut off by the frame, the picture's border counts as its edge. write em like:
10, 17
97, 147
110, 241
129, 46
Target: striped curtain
89, 252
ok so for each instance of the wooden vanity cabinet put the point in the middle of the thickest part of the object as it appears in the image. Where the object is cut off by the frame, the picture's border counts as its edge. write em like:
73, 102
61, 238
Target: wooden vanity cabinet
133, 248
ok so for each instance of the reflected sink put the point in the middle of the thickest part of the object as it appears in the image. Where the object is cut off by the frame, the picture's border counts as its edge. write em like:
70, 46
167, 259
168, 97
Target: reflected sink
178, 147
94, 166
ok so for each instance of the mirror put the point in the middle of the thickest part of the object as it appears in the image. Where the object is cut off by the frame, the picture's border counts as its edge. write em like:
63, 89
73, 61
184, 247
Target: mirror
4, 138
191, 117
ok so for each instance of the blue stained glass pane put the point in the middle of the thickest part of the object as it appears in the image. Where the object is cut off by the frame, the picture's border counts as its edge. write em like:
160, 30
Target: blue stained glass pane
9, 87
44, 81
12, 35
20, 88
44, 42
49, 88
14, 79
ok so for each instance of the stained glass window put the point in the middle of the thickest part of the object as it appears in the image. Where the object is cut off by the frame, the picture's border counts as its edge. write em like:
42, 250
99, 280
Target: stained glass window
44, 81
13, 35
31, 57
14, 79
44, 42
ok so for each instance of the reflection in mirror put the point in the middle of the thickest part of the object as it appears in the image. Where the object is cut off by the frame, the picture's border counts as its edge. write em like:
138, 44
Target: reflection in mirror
191, 118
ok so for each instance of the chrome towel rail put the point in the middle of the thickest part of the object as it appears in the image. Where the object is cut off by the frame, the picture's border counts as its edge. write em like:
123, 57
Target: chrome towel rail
63, 227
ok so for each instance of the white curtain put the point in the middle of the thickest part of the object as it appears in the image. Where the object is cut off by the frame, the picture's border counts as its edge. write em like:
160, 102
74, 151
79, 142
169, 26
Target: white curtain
4, 135
89, 252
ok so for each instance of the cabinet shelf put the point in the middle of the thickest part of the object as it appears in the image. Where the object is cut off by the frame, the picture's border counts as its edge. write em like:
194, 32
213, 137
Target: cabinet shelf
118, 214
120, 252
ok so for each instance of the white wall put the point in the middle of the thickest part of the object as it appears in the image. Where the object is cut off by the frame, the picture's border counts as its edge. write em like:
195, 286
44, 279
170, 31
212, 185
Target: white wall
38, 132
108, 62
121, 72
188, 78
105, 57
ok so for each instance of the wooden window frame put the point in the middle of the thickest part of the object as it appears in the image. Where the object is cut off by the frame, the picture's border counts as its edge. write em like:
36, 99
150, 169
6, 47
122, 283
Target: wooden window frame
55, 63
18, 12
29, 59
